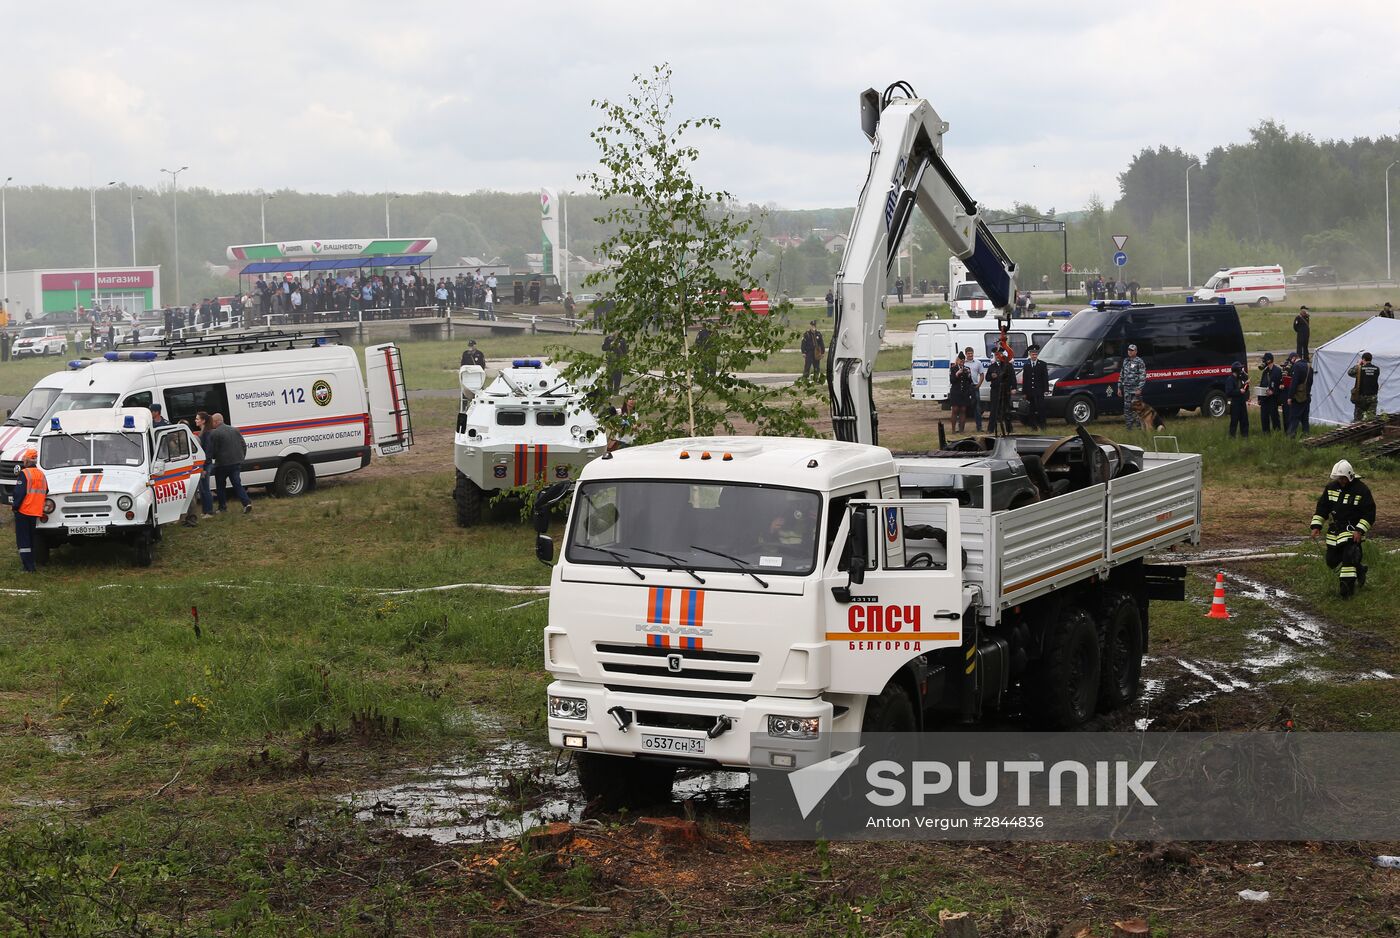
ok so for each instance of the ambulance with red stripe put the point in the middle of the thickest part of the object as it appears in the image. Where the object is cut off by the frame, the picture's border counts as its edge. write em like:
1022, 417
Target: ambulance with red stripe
112, 475
305, 408
528, 426
1245, 286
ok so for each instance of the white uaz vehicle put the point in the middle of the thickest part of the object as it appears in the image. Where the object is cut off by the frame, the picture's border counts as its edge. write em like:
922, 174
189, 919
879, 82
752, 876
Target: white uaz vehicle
529, 425
113, 476
39, 340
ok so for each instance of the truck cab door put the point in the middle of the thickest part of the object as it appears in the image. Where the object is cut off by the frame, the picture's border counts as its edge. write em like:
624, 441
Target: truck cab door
893, 589
175, 472
391, 430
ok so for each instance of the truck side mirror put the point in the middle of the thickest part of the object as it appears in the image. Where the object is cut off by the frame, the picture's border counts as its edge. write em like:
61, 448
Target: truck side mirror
551, 496
860, 548
544, 549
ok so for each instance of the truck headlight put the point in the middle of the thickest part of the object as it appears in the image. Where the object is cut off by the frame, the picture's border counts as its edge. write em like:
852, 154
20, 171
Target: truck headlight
568, 708
124, 503
48, 506
794, 727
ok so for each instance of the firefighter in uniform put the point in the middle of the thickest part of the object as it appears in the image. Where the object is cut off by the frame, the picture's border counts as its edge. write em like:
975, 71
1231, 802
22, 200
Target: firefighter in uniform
1348, 503
30, 492
1367, 388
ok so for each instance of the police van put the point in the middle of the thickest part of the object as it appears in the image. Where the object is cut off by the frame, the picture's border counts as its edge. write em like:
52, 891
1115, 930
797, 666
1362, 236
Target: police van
938, 341
1188, 349
304, 407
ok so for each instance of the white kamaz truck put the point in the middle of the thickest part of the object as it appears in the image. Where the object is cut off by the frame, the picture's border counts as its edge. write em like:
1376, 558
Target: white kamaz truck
729, 601
529, 425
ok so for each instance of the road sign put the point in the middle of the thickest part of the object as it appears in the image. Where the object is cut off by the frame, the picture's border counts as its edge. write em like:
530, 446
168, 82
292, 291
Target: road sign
1067, 268
1120, 259
1119, 241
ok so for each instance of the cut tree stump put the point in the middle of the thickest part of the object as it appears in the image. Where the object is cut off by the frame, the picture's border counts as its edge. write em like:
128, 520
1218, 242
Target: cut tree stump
957, 924
670, 830
550, 836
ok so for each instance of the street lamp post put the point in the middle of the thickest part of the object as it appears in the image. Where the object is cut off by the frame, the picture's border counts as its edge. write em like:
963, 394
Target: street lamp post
131, 198
262, 215
5, 245
387, 199
175, 192
1190, 280
1387, 218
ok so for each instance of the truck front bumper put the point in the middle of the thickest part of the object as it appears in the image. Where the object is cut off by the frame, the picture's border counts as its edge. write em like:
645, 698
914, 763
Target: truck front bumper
651, 729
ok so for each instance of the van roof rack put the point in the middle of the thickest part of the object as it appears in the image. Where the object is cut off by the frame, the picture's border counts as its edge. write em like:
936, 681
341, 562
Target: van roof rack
237, 343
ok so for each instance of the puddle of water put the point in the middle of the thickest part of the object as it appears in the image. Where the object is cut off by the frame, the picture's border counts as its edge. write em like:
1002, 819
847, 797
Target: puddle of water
505, 791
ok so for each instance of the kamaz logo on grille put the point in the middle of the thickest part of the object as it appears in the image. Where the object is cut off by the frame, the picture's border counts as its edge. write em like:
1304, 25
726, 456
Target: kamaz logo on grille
674, 663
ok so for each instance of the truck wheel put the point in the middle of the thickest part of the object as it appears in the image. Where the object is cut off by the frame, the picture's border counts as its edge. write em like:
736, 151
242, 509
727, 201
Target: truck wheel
1066, 684
1262, 302
621, 782
293, 479
467, 495
1214, 405
1081, 410
1121, 672
891, 712
144, 545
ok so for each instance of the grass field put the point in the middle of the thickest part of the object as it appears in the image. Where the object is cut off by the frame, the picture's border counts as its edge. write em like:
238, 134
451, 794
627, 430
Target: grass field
167, 772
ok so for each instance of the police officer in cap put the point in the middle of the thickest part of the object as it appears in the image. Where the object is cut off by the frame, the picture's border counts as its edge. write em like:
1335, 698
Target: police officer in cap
473, 356
30, 492
1035, 384
1347, 502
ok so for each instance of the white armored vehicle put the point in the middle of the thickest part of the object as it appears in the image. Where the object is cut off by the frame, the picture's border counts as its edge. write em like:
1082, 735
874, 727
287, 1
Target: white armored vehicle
113, 476
529, 425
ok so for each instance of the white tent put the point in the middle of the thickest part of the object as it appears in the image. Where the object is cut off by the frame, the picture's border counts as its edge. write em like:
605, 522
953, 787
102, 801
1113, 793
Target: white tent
1331, 397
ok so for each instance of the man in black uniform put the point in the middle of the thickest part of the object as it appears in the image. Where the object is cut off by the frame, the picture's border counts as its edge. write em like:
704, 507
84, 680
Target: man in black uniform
1387, 311
1271, 393
473, 356
1302, 326
1237, 393
1001, 376
1348, 503
1367, 389
813, 348
1035, 383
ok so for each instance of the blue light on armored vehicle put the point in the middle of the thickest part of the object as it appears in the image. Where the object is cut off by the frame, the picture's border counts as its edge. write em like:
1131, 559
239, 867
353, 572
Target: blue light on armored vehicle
526, 363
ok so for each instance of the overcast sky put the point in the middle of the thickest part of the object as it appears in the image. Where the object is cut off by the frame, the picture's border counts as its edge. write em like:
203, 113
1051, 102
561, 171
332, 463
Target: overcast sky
1047, 101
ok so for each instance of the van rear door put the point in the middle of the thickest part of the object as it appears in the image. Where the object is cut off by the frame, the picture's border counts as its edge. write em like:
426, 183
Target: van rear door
391, 430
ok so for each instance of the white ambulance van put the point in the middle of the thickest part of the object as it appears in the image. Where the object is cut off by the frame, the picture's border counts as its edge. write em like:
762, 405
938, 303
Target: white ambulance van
1245, 286
965, 295
938, 341
305, 409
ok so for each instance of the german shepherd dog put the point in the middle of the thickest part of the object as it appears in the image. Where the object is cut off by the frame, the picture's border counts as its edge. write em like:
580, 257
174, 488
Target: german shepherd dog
1148, 415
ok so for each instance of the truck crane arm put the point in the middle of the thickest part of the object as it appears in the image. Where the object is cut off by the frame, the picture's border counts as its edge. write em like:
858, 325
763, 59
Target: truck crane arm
906, 168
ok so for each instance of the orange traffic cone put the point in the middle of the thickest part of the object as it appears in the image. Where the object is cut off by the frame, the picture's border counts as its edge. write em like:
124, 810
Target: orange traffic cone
1217, 605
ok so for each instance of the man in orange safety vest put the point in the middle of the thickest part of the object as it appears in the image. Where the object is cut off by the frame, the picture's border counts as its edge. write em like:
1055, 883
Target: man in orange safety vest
30, 492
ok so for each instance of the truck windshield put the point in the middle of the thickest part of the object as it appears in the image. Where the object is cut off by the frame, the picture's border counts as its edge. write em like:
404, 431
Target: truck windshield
968, 291
34, 406
762, 528
63, 451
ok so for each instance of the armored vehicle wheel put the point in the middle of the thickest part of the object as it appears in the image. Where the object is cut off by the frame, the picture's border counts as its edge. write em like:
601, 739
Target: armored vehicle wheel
469, 499
623, 782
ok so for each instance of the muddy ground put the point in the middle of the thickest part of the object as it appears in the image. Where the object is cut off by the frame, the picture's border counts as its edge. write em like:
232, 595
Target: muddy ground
464, 825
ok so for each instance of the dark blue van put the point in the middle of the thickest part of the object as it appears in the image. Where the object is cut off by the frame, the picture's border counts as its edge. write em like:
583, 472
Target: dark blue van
1188, 349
